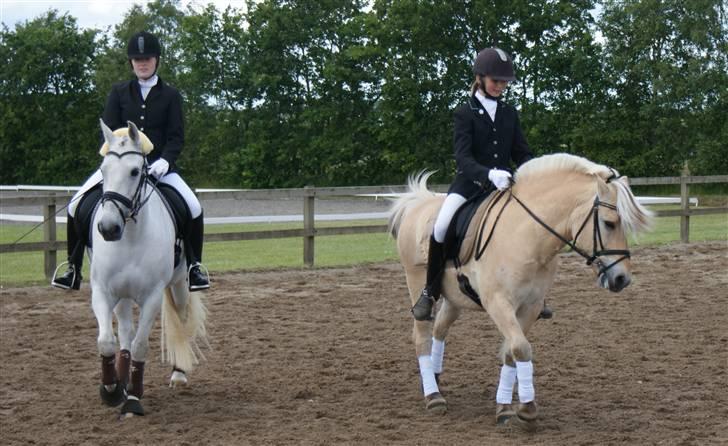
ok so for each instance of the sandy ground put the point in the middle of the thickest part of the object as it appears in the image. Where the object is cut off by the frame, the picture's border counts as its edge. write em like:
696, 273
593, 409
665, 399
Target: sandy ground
324, 356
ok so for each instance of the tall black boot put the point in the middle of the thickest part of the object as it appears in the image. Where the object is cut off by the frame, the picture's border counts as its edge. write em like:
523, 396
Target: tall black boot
198, 279
422, 310
71, 279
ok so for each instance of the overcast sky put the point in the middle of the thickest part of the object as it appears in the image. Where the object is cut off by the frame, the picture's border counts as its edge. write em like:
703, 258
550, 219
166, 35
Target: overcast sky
100, 14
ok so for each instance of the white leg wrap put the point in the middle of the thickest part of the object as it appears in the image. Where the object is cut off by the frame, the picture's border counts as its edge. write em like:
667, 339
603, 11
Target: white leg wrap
505, 386
429, 385
526, 391
437, 355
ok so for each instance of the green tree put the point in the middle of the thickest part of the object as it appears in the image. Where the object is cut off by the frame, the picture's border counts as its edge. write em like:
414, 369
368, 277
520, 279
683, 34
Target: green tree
46, 97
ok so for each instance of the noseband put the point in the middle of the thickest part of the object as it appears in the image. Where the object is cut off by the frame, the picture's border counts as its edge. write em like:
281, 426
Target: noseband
593, 258
134, 204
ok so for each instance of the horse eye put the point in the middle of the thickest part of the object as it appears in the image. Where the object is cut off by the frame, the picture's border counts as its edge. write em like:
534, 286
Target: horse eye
610, 224
135, 172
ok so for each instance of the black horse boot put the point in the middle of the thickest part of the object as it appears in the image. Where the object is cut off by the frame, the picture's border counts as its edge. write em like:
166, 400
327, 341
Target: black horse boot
422, 310
71, 279
198, 279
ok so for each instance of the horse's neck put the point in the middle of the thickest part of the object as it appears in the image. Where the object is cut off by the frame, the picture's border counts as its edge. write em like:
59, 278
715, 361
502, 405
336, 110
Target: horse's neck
558, 201
152, 217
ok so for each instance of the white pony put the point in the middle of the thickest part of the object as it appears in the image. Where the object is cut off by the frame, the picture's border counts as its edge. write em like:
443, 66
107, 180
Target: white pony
132, 261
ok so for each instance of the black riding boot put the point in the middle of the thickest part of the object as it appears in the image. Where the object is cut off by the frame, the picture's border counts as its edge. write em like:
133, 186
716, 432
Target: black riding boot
198, 278
71, 279
422, 310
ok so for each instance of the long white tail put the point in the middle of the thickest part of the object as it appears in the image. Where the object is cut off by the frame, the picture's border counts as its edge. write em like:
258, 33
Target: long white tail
183, 330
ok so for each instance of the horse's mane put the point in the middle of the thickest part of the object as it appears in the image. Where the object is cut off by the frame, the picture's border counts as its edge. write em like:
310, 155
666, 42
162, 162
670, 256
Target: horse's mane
562, 162
123, 132
635, 217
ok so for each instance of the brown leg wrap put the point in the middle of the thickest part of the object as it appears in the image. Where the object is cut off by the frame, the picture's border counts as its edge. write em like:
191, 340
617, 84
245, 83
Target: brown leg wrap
122, 366
137, 379
108, 370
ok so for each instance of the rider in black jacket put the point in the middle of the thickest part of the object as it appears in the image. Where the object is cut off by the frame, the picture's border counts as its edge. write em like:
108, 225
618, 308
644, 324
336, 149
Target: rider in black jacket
487, 139
156, 109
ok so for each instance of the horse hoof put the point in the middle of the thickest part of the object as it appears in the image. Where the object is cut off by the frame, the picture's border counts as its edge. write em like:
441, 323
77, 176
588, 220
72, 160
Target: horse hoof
503, 414
132, 407
526, 417
112, 398
178, 379
435, 404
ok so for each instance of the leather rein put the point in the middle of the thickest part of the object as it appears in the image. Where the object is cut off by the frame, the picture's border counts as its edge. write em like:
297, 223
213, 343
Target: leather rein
593, 258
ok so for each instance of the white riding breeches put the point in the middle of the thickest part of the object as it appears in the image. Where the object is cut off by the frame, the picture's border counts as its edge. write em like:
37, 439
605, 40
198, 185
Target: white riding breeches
173, 179
92, 181
176, 181
449, 207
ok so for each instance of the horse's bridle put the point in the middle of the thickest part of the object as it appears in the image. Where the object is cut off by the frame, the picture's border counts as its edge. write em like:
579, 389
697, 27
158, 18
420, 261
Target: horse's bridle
593, 258
134, 204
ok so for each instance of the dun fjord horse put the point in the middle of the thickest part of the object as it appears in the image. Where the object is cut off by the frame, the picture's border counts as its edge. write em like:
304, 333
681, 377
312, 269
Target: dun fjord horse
556, 200
132, 262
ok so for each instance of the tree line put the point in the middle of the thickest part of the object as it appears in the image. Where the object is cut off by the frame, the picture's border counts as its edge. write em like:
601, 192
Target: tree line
351, 92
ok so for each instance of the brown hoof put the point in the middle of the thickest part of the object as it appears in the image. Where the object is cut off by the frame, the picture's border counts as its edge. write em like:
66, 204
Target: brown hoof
435, 403
503, 413
526, 417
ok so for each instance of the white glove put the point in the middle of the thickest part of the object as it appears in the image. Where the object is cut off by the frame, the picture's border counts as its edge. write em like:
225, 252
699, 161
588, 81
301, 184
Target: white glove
159, 168
500, 178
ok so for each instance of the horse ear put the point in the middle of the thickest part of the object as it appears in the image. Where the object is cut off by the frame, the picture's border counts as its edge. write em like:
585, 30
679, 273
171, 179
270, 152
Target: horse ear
108, 137
133, 132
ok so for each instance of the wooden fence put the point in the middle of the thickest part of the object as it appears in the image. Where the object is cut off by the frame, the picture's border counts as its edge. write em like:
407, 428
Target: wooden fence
50, 202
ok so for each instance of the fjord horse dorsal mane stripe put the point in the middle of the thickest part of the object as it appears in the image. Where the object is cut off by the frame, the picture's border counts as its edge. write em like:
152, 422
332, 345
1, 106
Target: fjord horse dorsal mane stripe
633, 216
123, 133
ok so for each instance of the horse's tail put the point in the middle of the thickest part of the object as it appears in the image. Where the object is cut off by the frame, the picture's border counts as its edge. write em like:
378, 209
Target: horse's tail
183, 329
417, 185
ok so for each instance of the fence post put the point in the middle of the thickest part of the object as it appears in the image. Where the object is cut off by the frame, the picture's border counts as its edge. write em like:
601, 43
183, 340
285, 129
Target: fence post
308, 225
684, 205
49, 235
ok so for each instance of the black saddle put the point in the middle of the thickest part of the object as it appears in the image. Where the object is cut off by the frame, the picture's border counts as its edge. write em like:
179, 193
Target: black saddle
461, 221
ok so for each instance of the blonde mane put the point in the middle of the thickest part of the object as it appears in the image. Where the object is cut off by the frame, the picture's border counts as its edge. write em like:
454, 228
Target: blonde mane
634, 217
562, 162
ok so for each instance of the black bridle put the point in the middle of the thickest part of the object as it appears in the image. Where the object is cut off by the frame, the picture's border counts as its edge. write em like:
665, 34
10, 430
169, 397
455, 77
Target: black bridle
598, 249
135, 204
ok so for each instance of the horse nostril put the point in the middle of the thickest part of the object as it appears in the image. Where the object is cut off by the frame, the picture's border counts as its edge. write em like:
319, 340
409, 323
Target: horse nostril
621, 281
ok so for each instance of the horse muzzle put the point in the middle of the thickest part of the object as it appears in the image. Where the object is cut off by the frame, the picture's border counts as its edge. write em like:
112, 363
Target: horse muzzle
615, 279
110, 232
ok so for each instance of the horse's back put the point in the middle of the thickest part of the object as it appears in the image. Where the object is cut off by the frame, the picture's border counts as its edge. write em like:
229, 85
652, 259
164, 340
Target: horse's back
415, 230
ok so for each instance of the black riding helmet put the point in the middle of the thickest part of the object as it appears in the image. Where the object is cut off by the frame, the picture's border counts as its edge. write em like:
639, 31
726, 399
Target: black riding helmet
142, 45
496, 63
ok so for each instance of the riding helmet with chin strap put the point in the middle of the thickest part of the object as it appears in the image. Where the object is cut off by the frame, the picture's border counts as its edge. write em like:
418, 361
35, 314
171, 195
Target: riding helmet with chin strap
495, 63
142, 45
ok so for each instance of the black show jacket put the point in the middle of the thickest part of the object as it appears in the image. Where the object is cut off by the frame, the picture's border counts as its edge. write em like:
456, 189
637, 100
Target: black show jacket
159, 116
480, 144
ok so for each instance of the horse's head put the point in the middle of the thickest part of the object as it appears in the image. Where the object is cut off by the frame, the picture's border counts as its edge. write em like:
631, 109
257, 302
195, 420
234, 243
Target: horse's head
597, 207
608, 218
124, 172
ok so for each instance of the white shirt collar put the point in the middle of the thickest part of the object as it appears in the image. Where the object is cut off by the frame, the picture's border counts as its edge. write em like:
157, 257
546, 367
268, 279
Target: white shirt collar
490, 105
